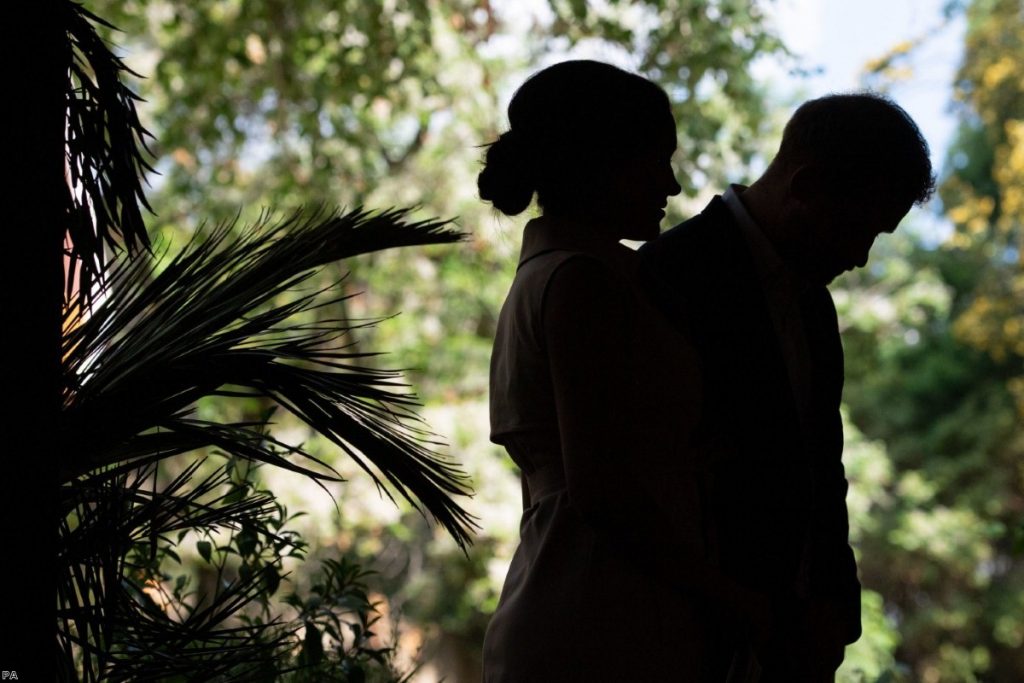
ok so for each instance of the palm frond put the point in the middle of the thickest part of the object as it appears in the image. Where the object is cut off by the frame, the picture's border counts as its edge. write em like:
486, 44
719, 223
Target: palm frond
105, 609
106, 152
215, 322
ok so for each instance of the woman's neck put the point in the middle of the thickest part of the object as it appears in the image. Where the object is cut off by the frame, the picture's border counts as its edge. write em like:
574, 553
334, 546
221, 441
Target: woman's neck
584, 228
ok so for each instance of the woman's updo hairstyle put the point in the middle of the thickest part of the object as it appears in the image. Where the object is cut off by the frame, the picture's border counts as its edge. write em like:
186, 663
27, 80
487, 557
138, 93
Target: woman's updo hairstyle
569, 126
506, 180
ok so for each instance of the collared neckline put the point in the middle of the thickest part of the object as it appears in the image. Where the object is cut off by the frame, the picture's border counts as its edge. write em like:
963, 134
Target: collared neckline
771, 269
544, 234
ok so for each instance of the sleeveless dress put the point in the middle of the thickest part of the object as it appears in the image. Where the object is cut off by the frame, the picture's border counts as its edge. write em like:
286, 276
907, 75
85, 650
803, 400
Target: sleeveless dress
582, 600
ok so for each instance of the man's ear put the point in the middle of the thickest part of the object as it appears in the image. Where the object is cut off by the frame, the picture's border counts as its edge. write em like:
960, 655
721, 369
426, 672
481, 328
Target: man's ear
807, 184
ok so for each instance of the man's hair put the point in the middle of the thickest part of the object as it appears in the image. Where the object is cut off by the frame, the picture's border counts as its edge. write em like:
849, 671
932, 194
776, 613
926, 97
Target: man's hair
860, 141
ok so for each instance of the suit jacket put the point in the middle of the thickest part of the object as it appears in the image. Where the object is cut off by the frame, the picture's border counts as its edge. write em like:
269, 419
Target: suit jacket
775, 502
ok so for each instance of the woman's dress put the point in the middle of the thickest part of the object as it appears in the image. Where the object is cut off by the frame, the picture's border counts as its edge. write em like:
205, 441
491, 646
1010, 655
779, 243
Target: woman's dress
586, 398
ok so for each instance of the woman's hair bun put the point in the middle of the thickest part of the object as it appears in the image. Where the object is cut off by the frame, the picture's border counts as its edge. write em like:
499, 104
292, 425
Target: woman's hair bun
506, 180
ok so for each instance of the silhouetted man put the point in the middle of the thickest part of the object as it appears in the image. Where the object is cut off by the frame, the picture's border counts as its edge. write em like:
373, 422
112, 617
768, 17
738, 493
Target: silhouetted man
746, 279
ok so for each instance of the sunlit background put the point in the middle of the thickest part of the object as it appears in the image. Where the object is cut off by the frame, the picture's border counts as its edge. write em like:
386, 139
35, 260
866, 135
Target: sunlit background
273, 105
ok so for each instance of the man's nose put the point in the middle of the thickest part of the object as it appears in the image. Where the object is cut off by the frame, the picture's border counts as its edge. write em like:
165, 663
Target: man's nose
673, 187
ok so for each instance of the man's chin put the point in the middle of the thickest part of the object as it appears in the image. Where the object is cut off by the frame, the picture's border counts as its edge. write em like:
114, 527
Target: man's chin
840, 272
827, 280
824, 273
816, 276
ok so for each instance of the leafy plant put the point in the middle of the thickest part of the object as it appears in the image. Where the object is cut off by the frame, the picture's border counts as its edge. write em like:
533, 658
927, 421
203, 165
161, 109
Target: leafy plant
228, 318
339, 610
217, 321
106, 153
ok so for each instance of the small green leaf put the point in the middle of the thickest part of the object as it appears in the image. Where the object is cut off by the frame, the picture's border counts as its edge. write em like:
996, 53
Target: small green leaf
246, 542
312, 646
354, 672
204, 549
273, 579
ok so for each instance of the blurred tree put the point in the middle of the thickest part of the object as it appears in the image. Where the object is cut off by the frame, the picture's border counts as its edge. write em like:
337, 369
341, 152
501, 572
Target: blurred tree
144, 341
256, 100
274, 103
935, 350
984, 193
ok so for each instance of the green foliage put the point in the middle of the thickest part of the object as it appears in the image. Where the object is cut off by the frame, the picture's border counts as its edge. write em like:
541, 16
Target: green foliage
339, 610
224, 320
441, 597
935, 361
218, 320
701, 53
270, 103
257, 102
934, 494
261, 103
242, 556
983, 192
123, 615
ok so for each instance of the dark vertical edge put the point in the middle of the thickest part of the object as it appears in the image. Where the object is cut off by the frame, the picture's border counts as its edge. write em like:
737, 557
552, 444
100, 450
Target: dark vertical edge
32, 289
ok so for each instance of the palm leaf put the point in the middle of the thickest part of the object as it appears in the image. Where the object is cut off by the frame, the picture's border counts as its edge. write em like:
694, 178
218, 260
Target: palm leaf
144, 343
104, 611
106, 152
215, 322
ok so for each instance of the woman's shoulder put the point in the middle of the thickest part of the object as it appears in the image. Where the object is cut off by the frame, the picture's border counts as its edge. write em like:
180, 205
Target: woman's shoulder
560, 278
586, 273
560, 267
577, 279
555, 241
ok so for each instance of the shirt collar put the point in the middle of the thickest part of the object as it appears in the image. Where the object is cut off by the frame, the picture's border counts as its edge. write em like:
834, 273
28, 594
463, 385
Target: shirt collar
770, 268
544, 234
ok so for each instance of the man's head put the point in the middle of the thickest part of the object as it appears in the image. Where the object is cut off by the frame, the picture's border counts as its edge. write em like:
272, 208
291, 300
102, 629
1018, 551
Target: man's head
849, 168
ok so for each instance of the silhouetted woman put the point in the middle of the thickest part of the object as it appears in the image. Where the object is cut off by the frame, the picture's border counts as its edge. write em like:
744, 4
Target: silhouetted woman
603, 584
